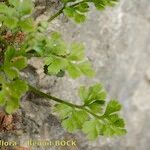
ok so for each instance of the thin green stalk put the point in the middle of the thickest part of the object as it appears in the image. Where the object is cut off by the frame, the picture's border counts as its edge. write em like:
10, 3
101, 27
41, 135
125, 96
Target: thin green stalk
61, 10
57, 14
44, 95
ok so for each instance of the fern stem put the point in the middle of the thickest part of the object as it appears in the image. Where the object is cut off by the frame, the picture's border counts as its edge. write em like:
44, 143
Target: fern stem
57, 14
61, 10
44, 95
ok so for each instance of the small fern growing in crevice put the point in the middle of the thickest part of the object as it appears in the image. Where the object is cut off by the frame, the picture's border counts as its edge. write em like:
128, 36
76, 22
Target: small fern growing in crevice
21, 38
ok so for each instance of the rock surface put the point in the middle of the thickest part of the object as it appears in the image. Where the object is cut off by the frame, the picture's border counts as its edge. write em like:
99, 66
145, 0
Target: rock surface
118, 44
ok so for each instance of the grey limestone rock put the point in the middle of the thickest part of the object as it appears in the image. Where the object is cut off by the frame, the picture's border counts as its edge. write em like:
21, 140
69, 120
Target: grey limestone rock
117, 41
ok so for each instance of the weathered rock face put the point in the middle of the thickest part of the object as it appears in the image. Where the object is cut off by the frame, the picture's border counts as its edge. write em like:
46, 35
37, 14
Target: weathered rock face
118, 44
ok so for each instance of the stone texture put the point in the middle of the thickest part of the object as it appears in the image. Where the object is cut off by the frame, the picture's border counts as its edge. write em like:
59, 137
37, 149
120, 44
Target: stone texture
118, 44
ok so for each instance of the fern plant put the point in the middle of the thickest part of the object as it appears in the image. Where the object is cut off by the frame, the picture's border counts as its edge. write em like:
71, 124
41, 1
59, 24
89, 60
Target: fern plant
22, 38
